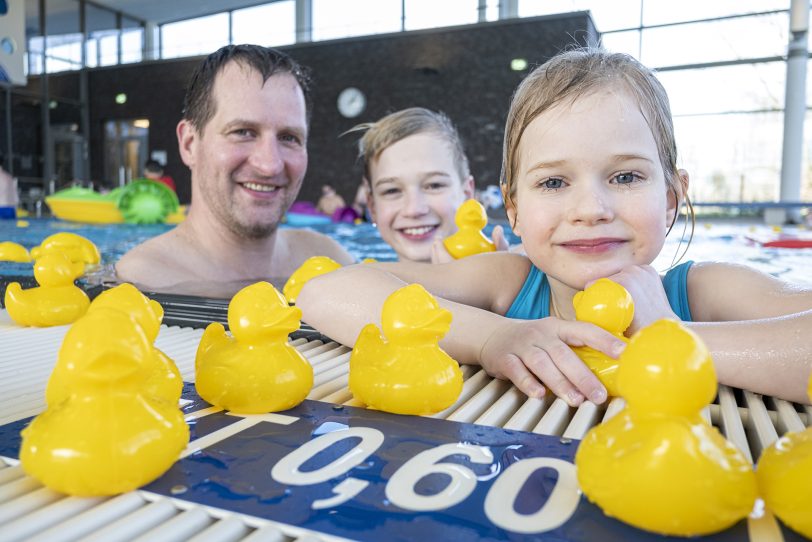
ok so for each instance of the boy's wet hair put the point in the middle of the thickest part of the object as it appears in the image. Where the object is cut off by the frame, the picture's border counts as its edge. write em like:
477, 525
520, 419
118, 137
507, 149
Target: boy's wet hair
199, 105
380, 135
576, 73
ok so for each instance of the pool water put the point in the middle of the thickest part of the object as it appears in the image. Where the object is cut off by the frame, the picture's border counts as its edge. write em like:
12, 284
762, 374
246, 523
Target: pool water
713, 241
114, 240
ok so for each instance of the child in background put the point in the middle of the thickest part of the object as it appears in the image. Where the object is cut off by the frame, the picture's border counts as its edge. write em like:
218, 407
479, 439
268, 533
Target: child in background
591, 186
330, 201
154, 170
418, 175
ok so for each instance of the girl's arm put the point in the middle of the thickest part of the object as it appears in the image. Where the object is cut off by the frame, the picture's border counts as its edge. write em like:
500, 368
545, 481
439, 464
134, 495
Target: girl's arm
528, 353
758, 328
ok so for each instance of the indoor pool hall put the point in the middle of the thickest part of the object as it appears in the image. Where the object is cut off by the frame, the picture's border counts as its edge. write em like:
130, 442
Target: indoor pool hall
402, 270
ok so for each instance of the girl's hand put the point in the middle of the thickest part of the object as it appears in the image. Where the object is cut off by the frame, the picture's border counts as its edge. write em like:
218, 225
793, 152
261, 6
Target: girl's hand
536, 353
646, 288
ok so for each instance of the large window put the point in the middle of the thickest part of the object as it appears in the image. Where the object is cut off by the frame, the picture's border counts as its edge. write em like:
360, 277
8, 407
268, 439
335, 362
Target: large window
721, 61
430, 13
132, 41
269, 24
194, 36
612, 15
343, 18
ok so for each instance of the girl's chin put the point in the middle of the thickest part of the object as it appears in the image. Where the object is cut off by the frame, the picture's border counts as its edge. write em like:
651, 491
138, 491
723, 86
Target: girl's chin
579, 282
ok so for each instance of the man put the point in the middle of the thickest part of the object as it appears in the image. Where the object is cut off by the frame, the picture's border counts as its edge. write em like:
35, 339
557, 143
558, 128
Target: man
244, 137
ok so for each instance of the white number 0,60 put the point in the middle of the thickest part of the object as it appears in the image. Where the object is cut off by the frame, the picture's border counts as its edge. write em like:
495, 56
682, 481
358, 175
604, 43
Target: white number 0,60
400, 489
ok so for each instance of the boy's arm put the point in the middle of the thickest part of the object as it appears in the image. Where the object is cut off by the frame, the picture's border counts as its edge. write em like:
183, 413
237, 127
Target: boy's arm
528, 353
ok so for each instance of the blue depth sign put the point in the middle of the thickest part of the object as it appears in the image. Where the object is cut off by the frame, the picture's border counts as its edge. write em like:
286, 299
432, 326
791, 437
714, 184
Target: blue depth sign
368, 475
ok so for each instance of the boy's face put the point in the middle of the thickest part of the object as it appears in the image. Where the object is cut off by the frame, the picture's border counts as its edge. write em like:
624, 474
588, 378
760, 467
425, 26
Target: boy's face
591, 196
416, 190
249, 160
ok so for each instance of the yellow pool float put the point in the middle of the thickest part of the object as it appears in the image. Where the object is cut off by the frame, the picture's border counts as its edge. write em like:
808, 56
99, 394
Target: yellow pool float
143, 201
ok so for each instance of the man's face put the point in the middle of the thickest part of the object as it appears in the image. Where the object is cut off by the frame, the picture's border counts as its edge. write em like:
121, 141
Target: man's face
249, 160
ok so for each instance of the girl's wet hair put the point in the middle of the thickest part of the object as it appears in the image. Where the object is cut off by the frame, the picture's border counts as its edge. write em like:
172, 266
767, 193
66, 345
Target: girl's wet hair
380, 135
573, 74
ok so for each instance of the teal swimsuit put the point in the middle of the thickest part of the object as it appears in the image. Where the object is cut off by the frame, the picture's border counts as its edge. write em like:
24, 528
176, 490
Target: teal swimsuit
533, 301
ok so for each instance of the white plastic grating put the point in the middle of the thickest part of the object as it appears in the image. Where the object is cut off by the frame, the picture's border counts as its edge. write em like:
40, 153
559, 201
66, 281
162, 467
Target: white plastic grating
31, 512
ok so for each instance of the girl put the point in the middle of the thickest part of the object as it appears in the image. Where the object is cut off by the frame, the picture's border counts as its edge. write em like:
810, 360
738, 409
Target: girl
417, 174
591, 186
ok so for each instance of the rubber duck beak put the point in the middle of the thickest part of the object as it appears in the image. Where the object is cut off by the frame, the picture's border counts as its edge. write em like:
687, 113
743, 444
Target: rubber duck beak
439, 322
289, 319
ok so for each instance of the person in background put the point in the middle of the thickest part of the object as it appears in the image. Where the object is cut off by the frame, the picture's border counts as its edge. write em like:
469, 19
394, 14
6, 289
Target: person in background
243, 135
591, 185
359, 204
154, 170
417, 175
330, 201
8, 195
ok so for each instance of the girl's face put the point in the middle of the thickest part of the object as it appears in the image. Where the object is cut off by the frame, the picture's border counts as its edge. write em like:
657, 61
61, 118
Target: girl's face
416, 190
591, 196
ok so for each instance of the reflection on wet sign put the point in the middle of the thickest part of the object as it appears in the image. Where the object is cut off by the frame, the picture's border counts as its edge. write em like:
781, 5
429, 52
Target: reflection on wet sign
369, 475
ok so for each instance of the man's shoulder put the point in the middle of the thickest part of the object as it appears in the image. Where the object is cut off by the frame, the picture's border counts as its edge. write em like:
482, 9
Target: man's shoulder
304, 243
157, 261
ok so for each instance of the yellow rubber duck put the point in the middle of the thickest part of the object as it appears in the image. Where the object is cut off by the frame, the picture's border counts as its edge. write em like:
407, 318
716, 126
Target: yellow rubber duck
256, 371
56, 301
608, 305
469, 239
405, 371
108, 436
164, 380
76, 247
658, 465
312, 267
784, 475
13, 252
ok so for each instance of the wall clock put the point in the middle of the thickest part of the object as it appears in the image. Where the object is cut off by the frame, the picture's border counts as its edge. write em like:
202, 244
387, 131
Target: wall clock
351, 102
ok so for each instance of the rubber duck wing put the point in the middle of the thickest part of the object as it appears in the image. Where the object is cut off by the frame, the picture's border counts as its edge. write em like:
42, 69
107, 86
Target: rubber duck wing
214, 335
16, 301
371, 347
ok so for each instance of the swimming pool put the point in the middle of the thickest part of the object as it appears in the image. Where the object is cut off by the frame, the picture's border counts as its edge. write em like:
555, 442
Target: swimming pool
733, 241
